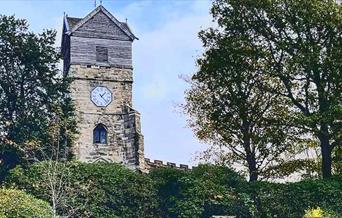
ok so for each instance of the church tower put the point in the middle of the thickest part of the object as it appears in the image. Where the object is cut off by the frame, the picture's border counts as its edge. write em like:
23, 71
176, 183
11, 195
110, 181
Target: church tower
97, 52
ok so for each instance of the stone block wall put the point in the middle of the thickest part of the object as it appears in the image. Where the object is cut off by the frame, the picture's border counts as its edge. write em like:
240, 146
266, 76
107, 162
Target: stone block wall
86, 78
124, 139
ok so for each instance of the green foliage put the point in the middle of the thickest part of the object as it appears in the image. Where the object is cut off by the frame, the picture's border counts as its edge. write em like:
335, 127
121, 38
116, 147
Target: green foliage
33, 94
229, 103
300, 43
292, 199
111, 190
214, 190
15, 203
308, 168
100, 189
205, 191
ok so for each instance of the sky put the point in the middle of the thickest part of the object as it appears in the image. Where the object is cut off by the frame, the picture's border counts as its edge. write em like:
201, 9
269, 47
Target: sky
166, 51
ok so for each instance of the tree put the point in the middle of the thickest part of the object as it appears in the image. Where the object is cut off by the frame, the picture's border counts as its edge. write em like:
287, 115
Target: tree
57, 174
301, 42
304, 43
229, 106
32, 93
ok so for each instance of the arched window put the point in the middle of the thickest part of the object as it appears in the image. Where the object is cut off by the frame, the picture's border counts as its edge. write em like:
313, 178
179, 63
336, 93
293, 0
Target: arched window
100, 134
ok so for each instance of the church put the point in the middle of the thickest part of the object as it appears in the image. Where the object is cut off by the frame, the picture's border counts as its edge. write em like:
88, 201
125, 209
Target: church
97, 55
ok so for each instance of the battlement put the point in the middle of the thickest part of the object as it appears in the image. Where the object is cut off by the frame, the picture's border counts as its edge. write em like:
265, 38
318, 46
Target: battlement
160, 164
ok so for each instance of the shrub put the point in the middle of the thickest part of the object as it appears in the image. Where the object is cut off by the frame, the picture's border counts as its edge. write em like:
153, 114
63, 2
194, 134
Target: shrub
292, 199
15, 203
99, 189
209, 190
205, 191
111, 190
315, 212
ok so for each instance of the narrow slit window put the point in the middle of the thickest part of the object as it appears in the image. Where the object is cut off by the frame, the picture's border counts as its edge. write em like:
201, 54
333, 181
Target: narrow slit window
101, 54
100, 134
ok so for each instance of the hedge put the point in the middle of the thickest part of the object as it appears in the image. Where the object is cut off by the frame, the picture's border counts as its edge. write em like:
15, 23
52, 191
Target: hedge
292, 199
203, 192
16, 203
214, 190
92, 190
111, 190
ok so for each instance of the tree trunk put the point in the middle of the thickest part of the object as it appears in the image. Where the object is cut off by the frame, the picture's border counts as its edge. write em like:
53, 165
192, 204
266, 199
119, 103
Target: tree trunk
323, 137
250, 155
253, 172
323, 134
326, 157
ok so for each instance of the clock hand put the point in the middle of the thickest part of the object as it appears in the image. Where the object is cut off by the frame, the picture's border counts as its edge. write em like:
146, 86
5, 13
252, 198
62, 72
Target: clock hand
103, 97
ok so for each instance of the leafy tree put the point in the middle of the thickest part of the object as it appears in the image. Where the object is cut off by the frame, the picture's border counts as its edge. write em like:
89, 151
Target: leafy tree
229, 105
33, 94
301, 42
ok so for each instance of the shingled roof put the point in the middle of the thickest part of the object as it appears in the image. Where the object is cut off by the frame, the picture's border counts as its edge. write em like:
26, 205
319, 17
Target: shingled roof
74, 23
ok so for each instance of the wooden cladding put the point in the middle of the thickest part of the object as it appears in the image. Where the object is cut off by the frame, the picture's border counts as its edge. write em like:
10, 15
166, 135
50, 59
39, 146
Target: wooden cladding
101, 54
101, 27
83, 51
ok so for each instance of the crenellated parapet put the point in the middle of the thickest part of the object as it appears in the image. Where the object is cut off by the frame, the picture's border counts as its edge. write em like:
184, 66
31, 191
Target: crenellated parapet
160, 164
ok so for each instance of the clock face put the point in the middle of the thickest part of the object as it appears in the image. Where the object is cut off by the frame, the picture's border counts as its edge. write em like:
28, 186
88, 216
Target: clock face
101, 96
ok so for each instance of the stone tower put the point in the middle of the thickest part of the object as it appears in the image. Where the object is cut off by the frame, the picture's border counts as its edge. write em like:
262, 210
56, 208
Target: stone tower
97, 52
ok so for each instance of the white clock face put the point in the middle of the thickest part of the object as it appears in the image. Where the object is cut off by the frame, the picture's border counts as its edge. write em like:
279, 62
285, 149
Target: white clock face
101, 96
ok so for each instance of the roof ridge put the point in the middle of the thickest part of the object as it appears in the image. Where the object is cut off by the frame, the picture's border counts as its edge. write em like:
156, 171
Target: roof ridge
82, 21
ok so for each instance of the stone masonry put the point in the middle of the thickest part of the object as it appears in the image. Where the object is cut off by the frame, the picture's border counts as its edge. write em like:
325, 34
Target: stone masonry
125, 141
82, 41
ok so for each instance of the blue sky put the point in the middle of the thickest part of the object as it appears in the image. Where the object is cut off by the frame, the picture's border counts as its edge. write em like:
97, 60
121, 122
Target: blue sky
167, 49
